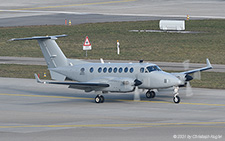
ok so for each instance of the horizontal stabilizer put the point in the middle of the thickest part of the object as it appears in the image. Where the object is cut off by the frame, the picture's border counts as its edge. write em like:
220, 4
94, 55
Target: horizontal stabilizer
37, 78
81, 85
39, 38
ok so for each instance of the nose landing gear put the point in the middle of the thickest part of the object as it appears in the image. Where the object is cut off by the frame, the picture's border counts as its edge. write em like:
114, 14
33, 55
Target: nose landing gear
176, 98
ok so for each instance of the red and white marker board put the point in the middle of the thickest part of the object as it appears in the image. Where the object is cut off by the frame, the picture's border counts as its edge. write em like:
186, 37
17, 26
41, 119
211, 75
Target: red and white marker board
87, 44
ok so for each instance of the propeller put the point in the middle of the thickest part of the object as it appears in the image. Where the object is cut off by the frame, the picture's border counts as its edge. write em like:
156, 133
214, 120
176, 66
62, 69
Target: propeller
188, 78
186, 64
189, 91
137, 94
137, 91
197, 75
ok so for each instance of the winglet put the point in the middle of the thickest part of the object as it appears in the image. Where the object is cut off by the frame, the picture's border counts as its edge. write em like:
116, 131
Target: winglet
208, 63
37, 78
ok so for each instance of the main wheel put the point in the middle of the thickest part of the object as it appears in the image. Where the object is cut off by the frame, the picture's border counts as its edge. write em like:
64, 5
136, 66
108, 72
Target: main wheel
153, 94
102, 99
97, 99
148, 94
176, 99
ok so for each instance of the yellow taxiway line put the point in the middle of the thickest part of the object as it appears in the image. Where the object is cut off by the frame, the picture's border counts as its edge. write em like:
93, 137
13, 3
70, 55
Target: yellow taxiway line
71, 5
66, 97
184, 124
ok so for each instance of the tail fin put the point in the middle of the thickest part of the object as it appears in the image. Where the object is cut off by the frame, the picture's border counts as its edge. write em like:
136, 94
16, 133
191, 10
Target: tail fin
53, 55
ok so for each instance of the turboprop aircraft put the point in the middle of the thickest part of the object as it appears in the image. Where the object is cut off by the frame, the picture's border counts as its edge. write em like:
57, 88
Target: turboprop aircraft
108, 77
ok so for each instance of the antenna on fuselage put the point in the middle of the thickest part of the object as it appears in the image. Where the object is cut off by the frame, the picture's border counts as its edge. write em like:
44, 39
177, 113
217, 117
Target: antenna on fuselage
141, 61
102, 61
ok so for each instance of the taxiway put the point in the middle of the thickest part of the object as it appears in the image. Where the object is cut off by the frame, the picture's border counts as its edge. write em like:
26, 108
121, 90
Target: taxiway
32, 111
25, 12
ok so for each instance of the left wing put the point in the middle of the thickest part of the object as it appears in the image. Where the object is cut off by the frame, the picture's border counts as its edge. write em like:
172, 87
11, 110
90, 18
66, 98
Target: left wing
78, 85
209, 66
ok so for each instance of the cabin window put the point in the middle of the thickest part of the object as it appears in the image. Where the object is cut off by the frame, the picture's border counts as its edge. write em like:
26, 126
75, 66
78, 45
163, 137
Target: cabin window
142, 70
120, 70
115, 70
105, 70
99, 69
110, 70
131, 70
126, 70
91, 69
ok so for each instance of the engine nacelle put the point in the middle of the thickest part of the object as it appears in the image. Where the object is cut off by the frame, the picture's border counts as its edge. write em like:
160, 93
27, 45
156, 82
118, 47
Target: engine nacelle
183, 77
120, 85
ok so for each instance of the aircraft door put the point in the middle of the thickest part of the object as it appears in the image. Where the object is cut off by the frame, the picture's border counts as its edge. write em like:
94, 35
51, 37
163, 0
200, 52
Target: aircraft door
83, 74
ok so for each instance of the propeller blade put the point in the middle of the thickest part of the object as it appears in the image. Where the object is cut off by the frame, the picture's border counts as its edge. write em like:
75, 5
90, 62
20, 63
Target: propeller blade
197, 75
186, 64
189, 91
137, 94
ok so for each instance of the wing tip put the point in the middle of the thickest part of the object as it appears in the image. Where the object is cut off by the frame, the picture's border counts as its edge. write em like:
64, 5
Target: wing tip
208, 63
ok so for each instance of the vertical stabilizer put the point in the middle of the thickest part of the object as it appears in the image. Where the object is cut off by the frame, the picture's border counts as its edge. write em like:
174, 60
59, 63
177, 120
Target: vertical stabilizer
53, 55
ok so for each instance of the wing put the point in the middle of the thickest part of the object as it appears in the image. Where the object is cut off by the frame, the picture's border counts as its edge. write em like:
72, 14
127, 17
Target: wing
209, 66
87, 86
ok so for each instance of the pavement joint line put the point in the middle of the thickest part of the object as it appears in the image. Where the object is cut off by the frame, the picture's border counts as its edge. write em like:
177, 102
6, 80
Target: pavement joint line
83, 4
185, 124
65, 97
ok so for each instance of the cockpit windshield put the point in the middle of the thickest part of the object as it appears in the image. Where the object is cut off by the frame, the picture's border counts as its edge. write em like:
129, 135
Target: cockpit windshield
153, 68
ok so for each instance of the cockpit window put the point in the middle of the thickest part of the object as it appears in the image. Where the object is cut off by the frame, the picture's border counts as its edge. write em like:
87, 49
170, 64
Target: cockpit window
153, 68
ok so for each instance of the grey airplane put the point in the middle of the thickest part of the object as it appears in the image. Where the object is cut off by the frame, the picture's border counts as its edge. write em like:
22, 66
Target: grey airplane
103, 77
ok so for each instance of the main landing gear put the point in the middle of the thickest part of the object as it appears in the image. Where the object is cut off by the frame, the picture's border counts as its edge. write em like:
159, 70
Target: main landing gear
150, 94
99, 99
176, 98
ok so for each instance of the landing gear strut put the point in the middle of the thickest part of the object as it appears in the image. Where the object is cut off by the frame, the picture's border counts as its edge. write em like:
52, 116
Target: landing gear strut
176, 98
99, 99
150, 94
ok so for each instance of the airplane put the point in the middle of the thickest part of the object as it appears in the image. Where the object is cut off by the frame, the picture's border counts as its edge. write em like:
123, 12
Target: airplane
103, 77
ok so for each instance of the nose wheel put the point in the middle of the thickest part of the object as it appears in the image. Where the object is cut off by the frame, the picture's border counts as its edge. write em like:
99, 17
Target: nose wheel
99, 99
176, 98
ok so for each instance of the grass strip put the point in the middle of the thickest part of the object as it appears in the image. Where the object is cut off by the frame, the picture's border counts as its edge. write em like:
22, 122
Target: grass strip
169, 47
